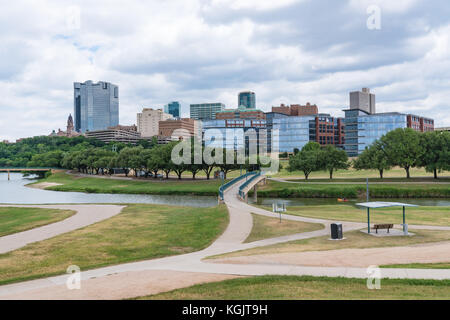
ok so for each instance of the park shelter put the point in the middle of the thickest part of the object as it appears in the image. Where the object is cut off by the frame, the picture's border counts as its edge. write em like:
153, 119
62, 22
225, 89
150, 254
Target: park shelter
378, 204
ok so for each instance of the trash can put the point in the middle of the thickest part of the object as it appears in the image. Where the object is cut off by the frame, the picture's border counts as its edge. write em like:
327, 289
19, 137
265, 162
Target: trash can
336, 231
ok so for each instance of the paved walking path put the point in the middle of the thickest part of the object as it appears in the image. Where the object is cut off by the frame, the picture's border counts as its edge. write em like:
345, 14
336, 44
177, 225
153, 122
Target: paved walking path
84, 216
231, 240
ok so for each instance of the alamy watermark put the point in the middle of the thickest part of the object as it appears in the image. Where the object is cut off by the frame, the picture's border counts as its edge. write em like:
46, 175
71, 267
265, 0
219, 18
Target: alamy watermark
374, 19
73, 282
374, 278
228, 146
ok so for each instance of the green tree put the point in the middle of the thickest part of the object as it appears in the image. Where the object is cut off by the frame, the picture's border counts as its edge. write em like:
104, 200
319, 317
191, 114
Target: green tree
307, 160
403, 148
331, 158
436, 155
373, 157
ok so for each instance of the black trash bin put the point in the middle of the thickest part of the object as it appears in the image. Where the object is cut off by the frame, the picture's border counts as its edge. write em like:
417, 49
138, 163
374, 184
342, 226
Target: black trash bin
336, 231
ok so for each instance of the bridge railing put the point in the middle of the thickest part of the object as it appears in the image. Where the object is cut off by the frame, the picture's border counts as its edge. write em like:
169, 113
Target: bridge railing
245, 184
232, 182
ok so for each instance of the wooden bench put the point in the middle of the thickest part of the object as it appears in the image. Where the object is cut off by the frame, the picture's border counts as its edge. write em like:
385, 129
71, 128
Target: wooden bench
382, 226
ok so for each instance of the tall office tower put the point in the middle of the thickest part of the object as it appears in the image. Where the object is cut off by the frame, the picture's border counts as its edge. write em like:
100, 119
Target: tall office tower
205, 111
247, 99
148, 121
96, 105
173, 108
363, 100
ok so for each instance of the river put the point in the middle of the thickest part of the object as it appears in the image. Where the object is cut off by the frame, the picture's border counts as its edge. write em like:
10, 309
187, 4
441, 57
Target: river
15, 192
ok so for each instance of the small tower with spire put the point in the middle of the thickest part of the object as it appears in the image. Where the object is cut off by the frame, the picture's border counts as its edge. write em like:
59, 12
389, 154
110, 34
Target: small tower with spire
70, 126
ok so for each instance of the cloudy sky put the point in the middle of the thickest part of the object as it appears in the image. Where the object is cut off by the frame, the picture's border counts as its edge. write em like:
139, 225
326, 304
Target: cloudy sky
287, 51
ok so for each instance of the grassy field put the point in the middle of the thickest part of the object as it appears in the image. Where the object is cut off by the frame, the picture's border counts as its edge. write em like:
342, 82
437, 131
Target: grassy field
351, 173
14, 220
433, 216
353, 239
266, 227
140, 232
309, 288
276, 189
150, 186
443, 265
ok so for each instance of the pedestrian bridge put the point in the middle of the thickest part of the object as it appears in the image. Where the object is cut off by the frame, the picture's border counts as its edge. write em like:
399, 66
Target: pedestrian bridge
24, 170
251, 183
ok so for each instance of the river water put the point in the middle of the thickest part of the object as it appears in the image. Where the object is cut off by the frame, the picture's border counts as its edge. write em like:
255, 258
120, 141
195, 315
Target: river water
15, 192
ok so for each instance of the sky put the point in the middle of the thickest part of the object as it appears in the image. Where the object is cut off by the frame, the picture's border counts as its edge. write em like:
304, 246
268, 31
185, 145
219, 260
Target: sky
194, 51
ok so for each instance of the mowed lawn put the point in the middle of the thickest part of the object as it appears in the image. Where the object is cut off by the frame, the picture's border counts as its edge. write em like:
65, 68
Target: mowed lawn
433, 216
353, 240
140, 232
309, 288
14, 219
351, 173
267, 227
147, 186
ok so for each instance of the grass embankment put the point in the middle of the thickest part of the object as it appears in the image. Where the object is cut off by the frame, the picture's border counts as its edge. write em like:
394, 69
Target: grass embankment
308, 288
353, 240
14, 220
140, 232
148, 186
351, 173
442, 265
275, 189
432, 216
266, 227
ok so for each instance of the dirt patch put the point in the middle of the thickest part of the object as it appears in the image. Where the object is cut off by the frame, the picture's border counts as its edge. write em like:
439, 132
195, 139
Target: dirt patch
43, 185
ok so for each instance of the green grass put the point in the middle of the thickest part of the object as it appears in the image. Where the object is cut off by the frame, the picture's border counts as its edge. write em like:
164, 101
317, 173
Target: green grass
266, 227
140, 232
351, 173
275, 189
149, 186
442, 265
14, 220
309, 288
434, 216
353, 240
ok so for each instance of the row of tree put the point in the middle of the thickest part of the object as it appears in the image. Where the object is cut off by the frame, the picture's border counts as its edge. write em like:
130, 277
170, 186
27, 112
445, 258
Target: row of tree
405, 148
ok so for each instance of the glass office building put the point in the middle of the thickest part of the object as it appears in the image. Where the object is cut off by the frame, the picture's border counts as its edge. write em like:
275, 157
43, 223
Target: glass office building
173, 108
362, 129
291, 132
247, 99
96, 106
205, 111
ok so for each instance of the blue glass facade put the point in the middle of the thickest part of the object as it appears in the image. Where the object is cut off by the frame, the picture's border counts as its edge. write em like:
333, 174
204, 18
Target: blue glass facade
96, 106
291, 132
173, 108
247, 99
362, 129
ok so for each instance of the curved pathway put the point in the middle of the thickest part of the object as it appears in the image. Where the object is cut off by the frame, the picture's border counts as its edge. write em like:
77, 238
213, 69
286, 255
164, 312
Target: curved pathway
240, 225
84, 216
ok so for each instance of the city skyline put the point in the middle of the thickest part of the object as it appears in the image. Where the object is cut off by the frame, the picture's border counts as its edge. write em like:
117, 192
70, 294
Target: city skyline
281, 59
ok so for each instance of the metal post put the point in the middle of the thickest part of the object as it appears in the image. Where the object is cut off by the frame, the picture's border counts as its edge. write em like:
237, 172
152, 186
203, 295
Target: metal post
367, 189
368, 220
404, 219
8, 176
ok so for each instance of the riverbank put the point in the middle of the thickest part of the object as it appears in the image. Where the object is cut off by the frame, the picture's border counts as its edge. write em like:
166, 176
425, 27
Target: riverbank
61, 181
278, 189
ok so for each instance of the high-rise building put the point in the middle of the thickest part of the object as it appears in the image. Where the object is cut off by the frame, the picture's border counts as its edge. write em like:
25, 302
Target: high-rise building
148, 121
96, 105
173, 108
363, 100
205, 111
241, 113
297, 110
179, 129
247, 99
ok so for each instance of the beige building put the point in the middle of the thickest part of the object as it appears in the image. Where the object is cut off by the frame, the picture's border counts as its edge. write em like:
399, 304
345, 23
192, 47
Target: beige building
148, 121
179, 129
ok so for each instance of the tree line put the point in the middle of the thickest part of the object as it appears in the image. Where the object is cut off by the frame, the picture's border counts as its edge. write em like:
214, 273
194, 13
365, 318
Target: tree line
405, 148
